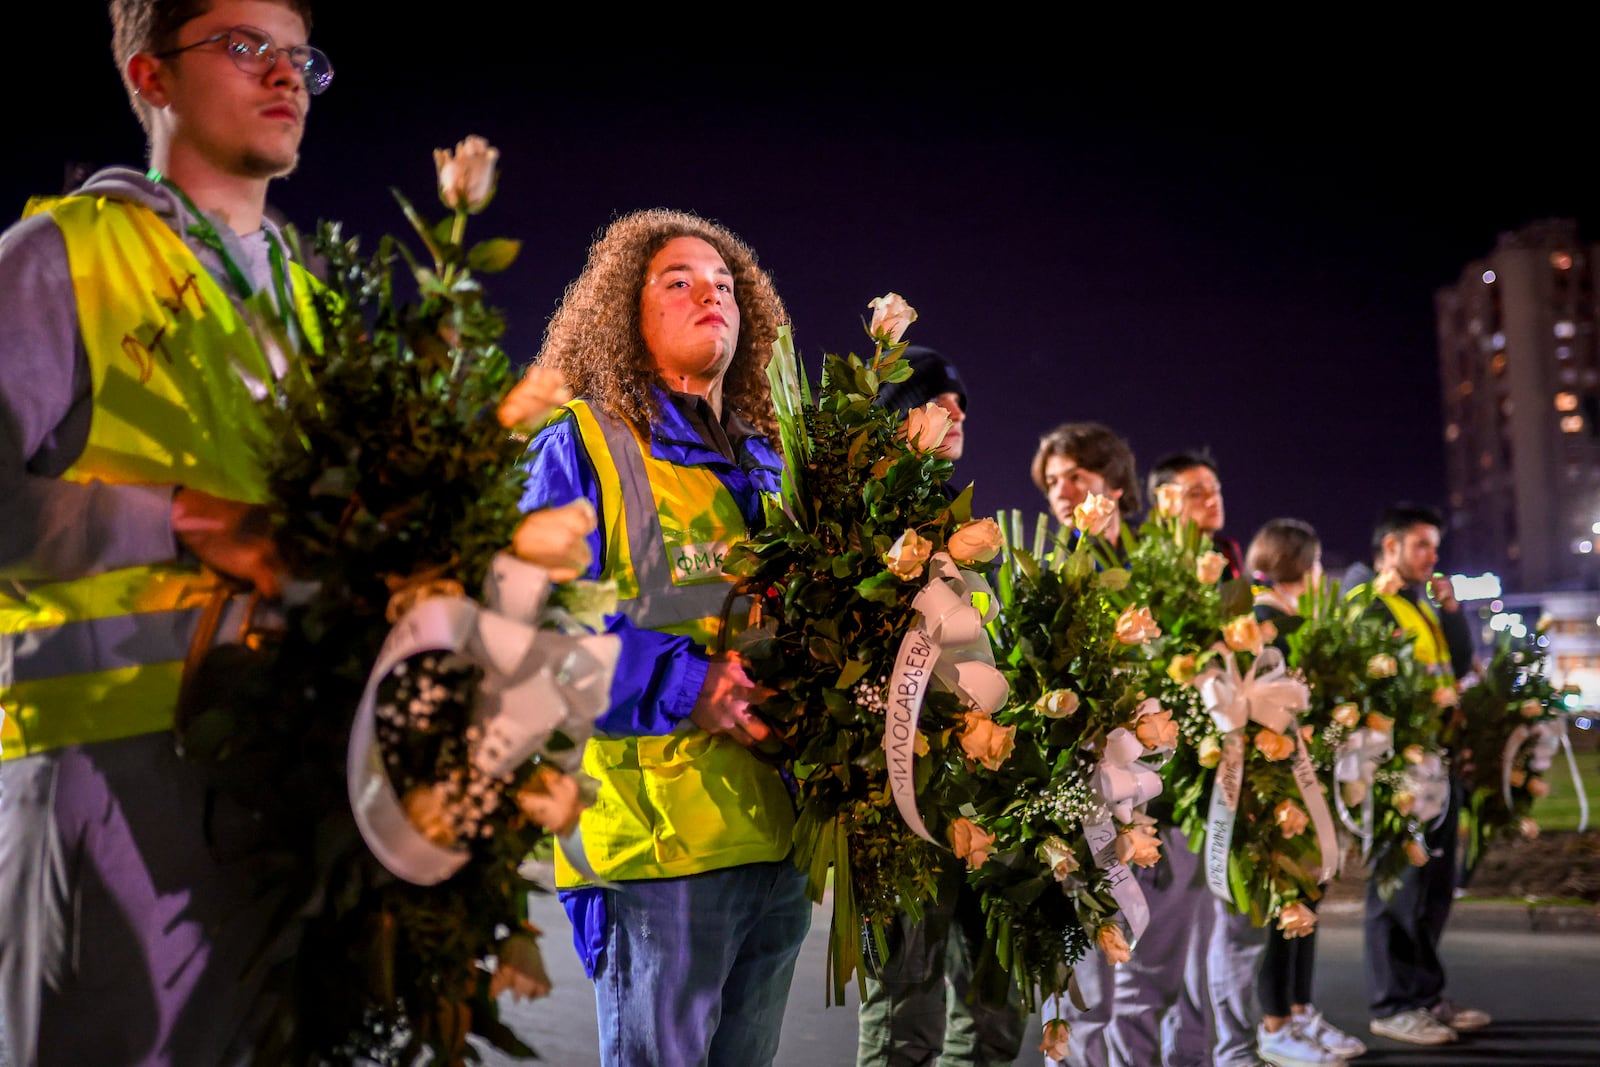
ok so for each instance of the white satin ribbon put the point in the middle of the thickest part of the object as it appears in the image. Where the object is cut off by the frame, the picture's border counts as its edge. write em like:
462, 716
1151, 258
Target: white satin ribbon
1357, 760
1101, 833
1269, 697
1121, 779
948, 645
536, 682
1548, 738
1428, 783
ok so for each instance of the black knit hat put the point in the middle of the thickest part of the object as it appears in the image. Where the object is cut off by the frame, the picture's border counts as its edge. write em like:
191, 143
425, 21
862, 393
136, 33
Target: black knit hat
931, 376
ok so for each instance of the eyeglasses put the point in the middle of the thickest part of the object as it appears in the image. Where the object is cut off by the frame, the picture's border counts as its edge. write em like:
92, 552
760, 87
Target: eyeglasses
254, 52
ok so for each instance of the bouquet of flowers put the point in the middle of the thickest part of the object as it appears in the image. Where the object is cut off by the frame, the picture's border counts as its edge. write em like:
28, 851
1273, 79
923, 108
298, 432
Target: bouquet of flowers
1513, 724
1358, 672
406, 748
1065, 812
868, 635
1240, 779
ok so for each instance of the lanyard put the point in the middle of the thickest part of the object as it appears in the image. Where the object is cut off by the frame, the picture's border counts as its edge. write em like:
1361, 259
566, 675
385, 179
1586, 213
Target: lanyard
203, 231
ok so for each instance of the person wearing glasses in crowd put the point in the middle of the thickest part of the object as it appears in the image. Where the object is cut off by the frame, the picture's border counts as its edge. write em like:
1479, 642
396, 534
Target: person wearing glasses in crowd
664, 339
134, 910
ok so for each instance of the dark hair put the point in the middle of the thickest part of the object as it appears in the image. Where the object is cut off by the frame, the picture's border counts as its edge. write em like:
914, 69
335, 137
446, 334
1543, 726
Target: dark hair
1398, 519
153, 25
1168, 467
1094, 447
1283, 550
932, 375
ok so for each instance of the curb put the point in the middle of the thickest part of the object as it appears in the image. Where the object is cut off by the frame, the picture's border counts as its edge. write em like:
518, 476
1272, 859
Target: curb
1467, 913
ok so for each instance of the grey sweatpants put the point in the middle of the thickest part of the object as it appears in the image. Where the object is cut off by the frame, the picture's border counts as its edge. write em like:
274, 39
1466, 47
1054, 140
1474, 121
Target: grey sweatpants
130, 907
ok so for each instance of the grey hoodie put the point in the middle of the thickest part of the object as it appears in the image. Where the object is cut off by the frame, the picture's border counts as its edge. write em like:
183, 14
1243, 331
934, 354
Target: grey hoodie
54, 529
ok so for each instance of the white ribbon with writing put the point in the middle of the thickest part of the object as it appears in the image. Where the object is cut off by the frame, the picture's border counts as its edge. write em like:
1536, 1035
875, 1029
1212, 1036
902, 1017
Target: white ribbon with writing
536, 682
1123, 783
1428, 783
949, 645
1548, 737
1357, 760
1269, 697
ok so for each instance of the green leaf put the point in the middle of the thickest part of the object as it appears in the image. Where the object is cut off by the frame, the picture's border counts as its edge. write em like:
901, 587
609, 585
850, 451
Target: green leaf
493, 255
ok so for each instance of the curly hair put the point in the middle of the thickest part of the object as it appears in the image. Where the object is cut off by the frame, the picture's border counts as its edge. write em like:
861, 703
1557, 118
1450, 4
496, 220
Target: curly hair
153, 25
594, 337
1096, 448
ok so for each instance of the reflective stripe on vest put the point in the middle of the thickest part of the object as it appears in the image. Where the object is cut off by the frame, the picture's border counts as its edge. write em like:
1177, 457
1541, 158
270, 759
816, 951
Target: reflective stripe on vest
686, 802
1418, 620
100, 657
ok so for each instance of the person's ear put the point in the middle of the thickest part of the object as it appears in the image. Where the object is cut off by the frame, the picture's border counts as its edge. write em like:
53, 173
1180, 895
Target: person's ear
145, 74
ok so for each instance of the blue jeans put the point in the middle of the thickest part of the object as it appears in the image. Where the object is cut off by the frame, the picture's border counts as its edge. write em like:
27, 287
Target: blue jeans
696, 970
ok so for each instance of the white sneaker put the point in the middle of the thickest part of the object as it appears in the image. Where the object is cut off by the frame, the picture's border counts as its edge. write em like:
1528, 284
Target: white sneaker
1458, 1017
1289, 1048
1313, 1025
1415, 1027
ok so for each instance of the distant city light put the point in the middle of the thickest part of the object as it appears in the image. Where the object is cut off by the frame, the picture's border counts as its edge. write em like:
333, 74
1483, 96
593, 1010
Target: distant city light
1519, 630
1571, 423
1585, 547
1496, 605
1561, 260
1483, 587
1488, 277
1566, 401
1507, 621
1595, 528
1583, 722
1565, 328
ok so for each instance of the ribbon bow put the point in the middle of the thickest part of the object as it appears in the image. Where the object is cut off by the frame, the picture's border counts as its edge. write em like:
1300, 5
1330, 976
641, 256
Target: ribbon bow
1549, 736
1264, 694
1429, 784
949, 645
1122, 781
536, 682
1357, 760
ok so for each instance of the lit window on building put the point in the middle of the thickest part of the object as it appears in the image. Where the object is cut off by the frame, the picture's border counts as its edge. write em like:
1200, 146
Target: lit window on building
1563, 351
1465, 388
1584, 547
1569, 376
1561, 260
1486, 461
1497, 341
1572, 424
1452, 432
1507, 407
1475, 327
1566, 401
1513, 551
1565, 328
1497, 363
1488, 277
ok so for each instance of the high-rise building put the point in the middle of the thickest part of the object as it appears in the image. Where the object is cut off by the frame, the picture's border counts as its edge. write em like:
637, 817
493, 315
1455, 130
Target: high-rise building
1520, 369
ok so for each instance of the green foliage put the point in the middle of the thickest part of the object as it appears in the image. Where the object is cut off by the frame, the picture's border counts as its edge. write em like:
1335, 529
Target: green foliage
387, 467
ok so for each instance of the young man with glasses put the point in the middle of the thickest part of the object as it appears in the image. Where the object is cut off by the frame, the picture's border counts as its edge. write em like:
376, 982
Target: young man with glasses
134, 910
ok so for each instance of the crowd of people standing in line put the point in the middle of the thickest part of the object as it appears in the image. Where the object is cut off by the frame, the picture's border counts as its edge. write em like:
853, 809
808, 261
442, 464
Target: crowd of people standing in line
128, 498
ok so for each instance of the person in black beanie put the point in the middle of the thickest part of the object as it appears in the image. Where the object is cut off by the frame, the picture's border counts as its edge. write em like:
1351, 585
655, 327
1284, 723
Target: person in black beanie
922, 1005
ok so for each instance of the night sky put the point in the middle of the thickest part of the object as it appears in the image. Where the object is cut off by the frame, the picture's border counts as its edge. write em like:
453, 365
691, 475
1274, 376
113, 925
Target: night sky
1222, 238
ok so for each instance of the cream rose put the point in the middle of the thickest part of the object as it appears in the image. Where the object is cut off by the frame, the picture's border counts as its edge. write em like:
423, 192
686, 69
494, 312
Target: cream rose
1380, 722
551, 799
977, 541
1243, 634
1518, 779
430, 809
409, 595
1404, 801
1528, 827
1135, 626
1354, 792
970, 842
1416, 852
467, 175
1113, 944
891, 316
519, 969
1273, 745
1058, 856
1347, 715
1137, 844
1532, 709
1210, 751
1095, 515
1057, 704
1382, 665
1169, 499
1055, 1040
1296, 920
908, 555
986, 741
1183, 668
557, 539
1414, 754
925, 427
1154, 727
1388, 583
532, 400
1209, 567
1446, 696
1291, 818
1538, 786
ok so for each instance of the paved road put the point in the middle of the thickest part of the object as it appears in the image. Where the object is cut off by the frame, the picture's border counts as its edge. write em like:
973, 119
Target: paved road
1543, 987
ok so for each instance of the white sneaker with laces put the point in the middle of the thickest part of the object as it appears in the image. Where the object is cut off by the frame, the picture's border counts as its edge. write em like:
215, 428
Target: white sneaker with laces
1457, 1017
1313, 1025
1289, 1048
1416, 1026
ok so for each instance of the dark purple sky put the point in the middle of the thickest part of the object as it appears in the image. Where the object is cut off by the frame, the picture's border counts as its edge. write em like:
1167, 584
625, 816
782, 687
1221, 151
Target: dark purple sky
1234, 243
